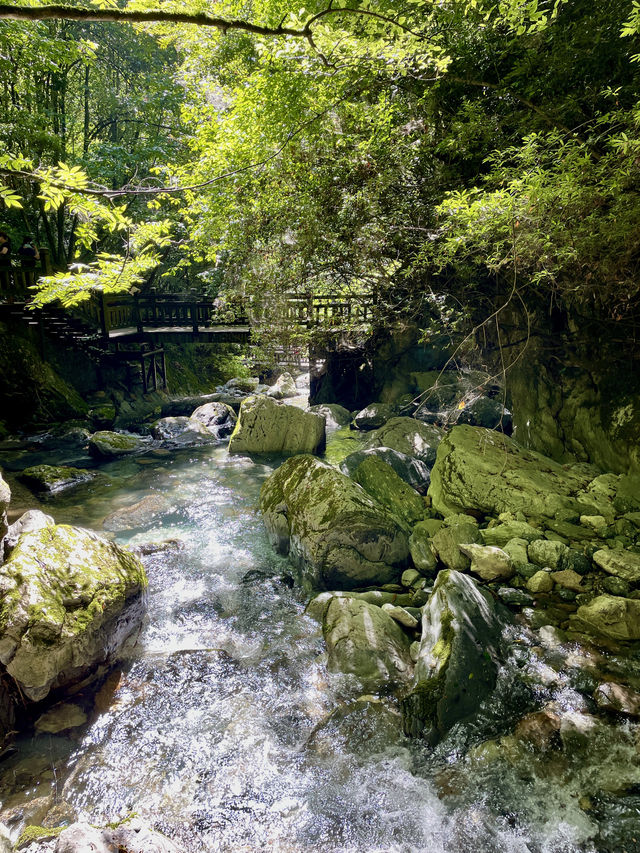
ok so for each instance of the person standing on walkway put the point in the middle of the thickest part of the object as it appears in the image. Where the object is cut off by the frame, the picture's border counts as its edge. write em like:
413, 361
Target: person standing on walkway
5, 265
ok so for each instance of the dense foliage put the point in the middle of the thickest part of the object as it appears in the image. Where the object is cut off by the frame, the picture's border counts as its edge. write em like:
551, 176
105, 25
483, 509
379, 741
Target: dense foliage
378, 146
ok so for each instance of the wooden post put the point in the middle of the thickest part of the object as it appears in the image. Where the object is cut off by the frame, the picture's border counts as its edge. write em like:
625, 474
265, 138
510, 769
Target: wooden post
137, 315
104, 326
45, 261
144, 373
194, 314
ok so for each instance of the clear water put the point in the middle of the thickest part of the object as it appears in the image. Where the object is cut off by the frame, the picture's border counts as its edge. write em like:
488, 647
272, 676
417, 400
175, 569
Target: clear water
224, 730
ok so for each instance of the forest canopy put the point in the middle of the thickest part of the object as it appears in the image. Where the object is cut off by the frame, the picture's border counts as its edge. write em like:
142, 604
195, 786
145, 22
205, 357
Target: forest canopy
491, 147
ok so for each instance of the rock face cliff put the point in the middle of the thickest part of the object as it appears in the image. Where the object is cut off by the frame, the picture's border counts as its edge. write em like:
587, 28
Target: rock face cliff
572, 383
575, 393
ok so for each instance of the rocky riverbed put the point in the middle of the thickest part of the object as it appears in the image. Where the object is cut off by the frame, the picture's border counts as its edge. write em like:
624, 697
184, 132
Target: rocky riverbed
465, 673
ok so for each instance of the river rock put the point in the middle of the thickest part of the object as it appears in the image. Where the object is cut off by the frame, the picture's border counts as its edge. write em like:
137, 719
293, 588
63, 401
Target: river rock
447, 543
111, 445
479, 471
335, 416
364, 640
373, 416
5, 499
182, 432
622, 564
186, 406
459, 656
218, 418
383, 484
139, 514
413, 471
485, 412
32, 519
68, 599
568, 579
52, 478
547, 554
423, 553
611, 616
131, 836
284, 387
60, 718
616, 697
330, 527
500, 534
540, 582
401, 616
266, 426
408, 436
488, 562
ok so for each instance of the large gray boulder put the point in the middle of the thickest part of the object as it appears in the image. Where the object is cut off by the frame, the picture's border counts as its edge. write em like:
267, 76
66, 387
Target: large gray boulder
458, 659
479, 471
413, 471
182, 432
218, 418
331, 528
68, 599
266, 426
366, 641
5, 499
409, 436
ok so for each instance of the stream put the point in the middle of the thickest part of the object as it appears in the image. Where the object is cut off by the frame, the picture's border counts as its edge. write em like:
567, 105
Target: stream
223, 729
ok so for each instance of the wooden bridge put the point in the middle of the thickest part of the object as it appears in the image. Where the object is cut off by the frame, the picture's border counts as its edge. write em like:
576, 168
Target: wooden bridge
131, 330
166, 318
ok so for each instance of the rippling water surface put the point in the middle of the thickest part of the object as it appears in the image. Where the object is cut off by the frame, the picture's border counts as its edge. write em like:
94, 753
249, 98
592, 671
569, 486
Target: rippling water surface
224, 730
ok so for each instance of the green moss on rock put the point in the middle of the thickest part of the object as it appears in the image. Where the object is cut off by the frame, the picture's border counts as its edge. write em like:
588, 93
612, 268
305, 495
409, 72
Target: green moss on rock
63, 591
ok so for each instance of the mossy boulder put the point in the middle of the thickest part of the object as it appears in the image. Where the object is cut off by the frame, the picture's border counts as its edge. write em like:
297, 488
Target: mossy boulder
181, 432
266, 426
488, 562
52, 478
458, 659
383, 484
409, 436
449, 538
373, 416
5, 499
366, 641
482, 472
336, 533
622, 564
414, 472
67, 605
609, 616
500, 534
110, 445
32, 519
218, 418
335, 416
423, 553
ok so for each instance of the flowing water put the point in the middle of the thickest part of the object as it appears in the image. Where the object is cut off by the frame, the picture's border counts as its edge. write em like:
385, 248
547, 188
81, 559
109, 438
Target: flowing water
224, 730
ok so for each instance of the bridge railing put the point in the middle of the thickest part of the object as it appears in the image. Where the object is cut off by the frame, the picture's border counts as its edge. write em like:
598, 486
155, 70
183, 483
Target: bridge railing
191, 311
114, 312
330, 310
